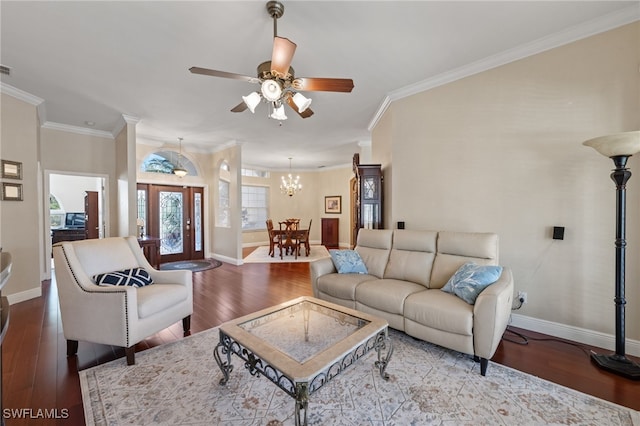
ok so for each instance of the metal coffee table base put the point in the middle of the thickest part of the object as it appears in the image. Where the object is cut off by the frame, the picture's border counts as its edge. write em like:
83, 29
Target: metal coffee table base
300, 390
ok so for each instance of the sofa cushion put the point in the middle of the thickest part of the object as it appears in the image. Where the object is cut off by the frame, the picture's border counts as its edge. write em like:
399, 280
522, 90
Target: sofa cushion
386, 295
342, 286
469, 281
348, 262
158, 298
441, 311
457, 248
135, 277
411, 256
373, 246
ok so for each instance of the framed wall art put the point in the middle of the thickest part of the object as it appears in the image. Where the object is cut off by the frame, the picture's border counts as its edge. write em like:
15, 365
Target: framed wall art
333, 204
11, 191
11, 169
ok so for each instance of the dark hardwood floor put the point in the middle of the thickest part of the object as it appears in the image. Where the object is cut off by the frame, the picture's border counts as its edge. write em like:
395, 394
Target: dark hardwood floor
38, 375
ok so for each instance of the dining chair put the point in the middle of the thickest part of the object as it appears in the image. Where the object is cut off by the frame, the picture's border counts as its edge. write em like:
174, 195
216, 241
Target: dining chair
304, 240
274, 237
289, 237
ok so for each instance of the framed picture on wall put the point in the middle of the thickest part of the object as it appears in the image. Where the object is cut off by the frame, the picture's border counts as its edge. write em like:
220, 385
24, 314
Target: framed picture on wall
333, 204
11, 191
11, 169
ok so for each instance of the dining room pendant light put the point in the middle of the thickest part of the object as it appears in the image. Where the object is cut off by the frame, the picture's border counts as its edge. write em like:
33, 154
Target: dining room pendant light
179, 170
290, 185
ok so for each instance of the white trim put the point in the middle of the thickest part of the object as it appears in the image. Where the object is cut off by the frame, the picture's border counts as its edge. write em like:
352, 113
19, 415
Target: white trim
76, 129
123, 121
575, 334
584, 30
227, 259
7, 89
32, 293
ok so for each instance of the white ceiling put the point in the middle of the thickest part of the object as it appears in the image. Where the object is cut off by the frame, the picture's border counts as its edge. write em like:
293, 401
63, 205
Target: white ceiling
95, 61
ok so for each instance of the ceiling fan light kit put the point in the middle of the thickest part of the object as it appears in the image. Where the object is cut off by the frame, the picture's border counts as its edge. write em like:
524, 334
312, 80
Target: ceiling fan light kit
276, 77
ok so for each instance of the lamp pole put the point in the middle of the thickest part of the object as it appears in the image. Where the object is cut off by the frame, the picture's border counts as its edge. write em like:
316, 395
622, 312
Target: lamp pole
619, 148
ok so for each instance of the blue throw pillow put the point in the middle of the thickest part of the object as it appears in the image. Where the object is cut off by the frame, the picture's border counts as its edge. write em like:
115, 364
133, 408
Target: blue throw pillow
136, 277
348, 262
469, 281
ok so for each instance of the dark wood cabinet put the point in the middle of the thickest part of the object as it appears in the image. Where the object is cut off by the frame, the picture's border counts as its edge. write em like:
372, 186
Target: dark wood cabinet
65, 234
369, 203
91, 225
330, 232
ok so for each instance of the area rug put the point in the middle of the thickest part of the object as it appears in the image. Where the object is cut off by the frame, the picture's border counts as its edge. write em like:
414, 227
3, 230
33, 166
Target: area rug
177, 384
191, 265
261, 255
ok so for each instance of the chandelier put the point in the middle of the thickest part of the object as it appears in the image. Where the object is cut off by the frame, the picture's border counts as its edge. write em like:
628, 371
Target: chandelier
178, 170
290, 185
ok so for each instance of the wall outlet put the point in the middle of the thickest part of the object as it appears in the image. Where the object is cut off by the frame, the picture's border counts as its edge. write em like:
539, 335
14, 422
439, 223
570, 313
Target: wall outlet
522, 296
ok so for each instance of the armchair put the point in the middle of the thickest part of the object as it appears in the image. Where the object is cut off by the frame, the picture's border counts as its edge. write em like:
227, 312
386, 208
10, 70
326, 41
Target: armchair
116, 315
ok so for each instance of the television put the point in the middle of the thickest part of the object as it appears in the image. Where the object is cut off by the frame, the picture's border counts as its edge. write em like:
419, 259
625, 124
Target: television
74, 220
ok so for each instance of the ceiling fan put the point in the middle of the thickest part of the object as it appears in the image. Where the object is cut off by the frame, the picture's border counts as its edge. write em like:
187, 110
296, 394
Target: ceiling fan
278, 84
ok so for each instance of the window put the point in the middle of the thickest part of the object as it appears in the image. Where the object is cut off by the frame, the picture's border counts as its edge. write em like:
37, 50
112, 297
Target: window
165, 162
255, 207
223, 219
255, 173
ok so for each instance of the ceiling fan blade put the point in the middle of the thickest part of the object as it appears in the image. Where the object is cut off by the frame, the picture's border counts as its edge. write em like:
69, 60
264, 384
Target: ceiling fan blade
323, 84
223, 74
304, 114
283, 50
239, 108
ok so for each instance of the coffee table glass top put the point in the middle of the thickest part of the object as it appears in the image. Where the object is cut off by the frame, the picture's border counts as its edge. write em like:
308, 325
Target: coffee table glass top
304, 336
304, 329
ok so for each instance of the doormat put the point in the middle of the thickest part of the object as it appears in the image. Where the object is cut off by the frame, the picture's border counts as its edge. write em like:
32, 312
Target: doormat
191, 265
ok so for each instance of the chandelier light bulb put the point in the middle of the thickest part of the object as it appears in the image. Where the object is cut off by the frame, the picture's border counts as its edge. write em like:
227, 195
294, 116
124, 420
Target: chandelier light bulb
289, 185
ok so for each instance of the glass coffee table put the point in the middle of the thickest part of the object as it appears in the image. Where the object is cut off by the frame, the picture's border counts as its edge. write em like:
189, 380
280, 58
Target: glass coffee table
302, 344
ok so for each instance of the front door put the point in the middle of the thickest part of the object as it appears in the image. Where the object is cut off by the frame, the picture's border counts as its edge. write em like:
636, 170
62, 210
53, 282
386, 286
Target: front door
175, 216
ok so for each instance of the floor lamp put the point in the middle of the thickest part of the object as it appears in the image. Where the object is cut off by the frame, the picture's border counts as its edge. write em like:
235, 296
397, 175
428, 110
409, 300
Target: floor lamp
619, 148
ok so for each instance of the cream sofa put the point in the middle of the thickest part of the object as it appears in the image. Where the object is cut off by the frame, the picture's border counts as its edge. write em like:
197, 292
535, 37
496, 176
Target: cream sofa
406, 271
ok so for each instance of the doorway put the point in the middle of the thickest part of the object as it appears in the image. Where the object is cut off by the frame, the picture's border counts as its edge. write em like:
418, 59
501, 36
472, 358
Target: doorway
174, 215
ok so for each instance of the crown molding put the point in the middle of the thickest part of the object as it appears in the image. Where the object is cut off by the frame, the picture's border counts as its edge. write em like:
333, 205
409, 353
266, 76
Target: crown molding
20, 94
587, 29
77, 130
124, 120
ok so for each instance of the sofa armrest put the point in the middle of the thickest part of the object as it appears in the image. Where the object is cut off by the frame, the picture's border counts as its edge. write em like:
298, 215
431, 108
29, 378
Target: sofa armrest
491, 315
319, 268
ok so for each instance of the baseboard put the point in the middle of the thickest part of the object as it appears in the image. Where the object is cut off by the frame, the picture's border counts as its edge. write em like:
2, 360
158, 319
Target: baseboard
575, 334
226, 259
24, 295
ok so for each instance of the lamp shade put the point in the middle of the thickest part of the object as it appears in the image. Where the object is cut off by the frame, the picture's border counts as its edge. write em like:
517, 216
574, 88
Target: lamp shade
278, 113
252, 100
180, 172
619, 144
301, 102
271, 90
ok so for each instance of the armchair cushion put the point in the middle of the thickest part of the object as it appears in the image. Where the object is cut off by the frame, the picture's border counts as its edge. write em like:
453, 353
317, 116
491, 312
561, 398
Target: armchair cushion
470, 279
136, 277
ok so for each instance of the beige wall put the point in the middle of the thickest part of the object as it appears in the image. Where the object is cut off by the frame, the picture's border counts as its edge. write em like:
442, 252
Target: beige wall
19, 227
83, 155
501, 151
